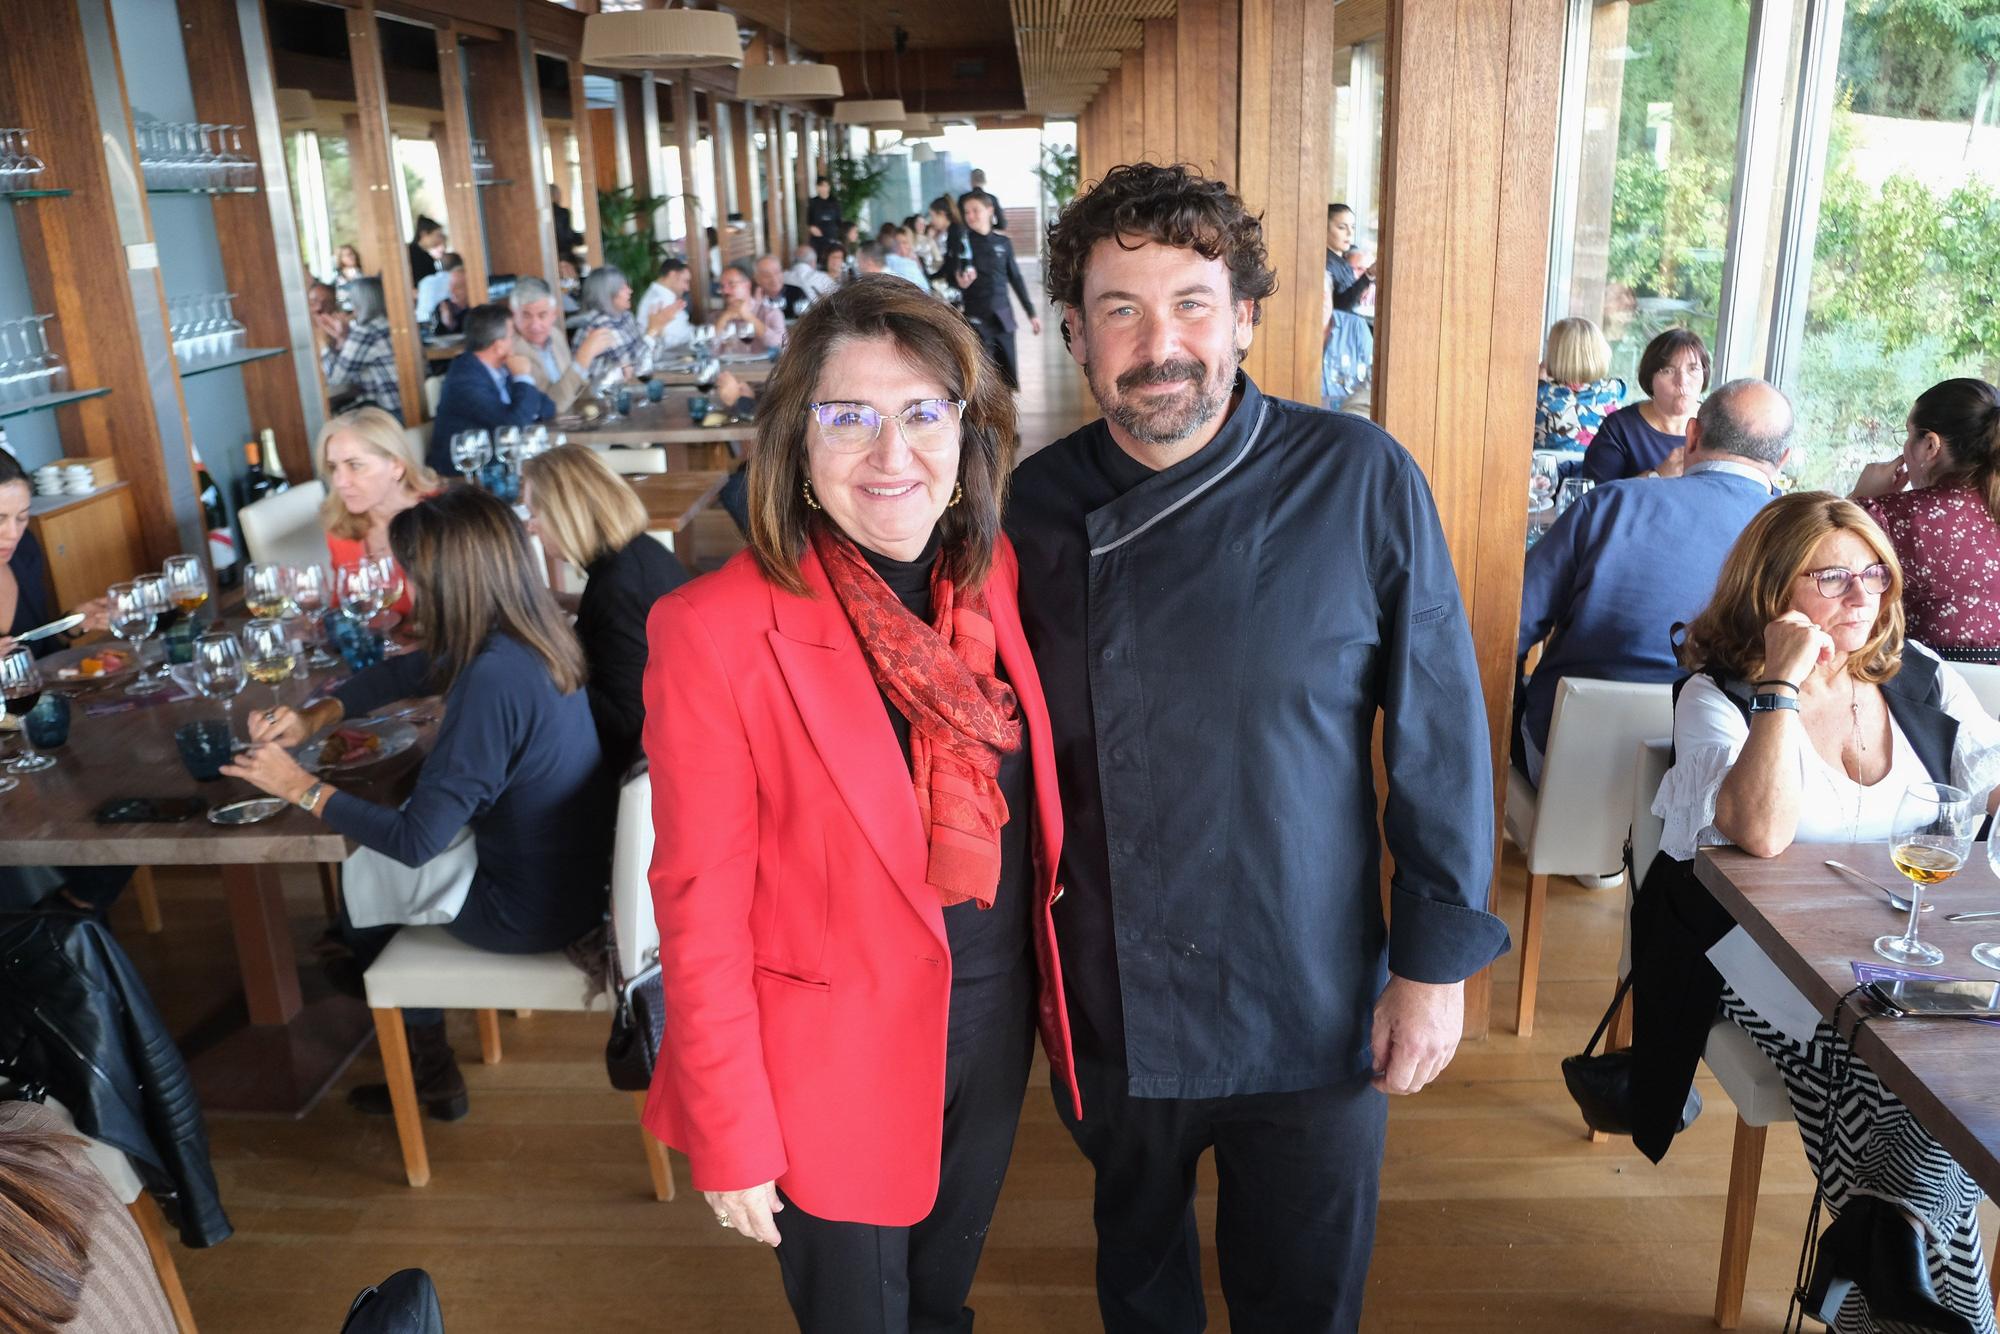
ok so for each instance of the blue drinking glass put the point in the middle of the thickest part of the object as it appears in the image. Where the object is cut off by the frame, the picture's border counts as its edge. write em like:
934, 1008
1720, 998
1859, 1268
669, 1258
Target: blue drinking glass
205, 746
48, 722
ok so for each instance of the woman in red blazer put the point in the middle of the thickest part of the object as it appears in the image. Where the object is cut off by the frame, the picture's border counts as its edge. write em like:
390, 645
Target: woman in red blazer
855, 799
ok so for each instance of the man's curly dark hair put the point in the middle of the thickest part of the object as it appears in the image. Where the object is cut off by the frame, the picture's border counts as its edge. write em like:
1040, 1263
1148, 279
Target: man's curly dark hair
1175, 206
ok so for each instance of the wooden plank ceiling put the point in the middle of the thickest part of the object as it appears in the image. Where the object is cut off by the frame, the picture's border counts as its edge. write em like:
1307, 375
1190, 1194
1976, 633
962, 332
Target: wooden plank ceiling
1068, 47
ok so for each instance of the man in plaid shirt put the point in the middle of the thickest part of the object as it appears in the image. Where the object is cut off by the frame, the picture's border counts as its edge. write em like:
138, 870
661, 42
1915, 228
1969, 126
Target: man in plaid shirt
358, 351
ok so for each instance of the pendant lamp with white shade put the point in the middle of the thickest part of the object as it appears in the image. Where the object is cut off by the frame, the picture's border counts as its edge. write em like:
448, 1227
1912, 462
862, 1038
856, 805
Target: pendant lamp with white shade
781, 83
656, 39
880, 112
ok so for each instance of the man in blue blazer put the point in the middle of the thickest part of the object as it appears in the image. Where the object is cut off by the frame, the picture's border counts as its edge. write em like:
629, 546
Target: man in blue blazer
488, 385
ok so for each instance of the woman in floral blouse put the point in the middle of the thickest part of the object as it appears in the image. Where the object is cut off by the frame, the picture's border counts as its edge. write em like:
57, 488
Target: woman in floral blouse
1946, 525
1576, 391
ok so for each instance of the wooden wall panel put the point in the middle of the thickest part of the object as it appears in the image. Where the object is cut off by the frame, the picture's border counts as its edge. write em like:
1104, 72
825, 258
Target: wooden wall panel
1159, 141
375, 175
1470, 148
632, 101
507, 114
219, 75
687, 131
604, 135
461, 192
1206, 50
1132, 108
743, 145
776, 234
75, 261
806, 172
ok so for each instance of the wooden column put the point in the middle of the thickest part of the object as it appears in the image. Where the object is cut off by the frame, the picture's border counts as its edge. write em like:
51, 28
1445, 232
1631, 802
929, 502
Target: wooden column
722, 143
1159, 141
375, 175
806, 171
507, 114
219, 74
461, 192
76, 265
687, 128
1282, 151
1470, 151
749, 196
776, 237
583, 211
1206, 42
633, 95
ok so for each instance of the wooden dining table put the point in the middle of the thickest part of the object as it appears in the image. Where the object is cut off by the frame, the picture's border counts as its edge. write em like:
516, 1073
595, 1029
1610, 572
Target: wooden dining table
667, 422
290, 1036
1815, 924
754, 371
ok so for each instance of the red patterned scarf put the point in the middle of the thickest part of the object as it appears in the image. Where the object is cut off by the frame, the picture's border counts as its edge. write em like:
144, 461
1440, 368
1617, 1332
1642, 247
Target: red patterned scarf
962, 717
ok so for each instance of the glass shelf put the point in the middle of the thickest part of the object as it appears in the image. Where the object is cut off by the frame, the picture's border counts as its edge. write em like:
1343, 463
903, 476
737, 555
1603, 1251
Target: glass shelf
231, 359
483, 184
204, 189
44, 402
33, 194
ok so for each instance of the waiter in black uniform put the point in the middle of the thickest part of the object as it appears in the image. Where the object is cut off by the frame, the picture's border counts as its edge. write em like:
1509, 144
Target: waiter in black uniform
823, 218
984, 280
992, 201
1222, 591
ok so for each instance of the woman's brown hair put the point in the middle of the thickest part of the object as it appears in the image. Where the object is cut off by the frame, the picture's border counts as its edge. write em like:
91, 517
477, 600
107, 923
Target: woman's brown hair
1964, 414
1660, 354
934, 340
473, 575
44, 1236
384, 436
1760, 574
582, 506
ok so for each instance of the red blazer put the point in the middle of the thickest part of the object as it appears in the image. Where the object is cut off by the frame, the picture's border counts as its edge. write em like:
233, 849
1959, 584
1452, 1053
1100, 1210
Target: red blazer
807, 974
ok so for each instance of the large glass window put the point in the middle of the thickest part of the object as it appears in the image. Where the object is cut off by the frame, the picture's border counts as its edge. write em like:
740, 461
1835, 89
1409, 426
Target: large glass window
1662, 94
1355, 166
1906, 256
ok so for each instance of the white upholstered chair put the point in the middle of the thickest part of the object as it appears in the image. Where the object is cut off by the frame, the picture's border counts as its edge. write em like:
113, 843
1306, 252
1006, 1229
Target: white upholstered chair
1746, 1074
1984, 678
1576, 823
632, 462
284, 529
433, 391
425, 967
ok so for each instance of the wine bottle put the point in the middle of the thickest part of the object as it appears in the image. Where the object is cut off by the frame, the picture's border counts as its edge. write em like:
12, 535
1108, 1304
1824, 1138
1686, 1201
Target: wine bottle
221, 537
274, 468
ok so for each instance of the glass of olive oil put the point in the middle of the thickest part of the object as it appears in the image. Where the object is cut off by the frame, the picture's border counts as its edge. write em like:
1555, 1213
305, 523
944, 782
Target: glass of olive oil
1930, 840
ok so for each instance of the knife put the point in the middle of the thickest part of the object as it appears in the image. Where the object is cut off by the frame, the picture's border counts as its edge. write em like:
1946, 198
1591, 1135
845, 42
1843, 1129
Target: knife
52, 628
1971, 916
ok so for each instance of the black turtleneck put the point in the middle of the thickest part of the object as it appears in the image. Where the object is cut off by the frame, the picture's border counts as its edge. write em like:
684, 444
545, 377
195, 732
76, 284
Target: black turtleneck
986, 944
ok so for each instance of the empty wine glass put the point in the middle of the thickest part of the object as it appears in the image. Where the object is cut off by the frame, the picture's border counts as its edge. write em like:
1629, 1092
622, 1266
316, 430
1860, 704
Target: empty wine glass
133, 618
219, 672
1929, 842
312, 594
21, 685
49, 369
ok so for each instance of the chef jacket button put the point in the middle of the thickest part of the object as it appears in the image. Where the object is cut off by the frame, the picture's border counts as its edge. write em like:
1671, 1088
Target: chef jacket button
1110, 654
1118, 754
1236, 547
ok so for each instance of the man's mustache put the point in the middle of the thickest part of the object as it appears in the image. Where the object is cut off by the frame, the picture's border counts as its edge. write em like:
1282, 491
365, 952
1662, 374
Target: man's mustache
1163, 372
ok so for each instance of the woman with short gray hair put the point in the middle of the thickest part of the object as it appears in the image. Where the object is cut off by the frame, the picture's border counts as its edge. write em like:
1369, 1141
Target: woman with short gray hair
607, 304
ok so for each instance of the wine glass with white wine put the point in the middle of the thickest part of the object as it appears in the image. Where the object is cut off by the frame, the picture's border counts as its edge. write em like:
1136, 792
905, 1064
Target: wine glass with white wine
1929, 841
268, 654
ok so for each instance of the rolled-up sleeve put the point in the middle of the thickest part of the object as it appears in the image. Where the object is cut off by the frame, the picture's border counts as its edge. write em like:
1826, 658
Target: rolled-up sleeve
1435, 743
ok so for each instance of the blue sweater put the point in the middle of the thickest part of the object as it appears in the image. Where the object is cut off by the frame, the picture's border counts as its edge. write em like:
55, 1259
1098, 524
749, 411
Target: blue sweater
520, 764
1626, 446
1617, 570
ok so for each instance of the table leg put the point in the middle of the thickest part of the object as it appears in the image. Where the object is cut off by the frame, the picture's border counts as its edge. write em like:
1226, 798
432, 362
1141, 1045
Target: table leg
263, 943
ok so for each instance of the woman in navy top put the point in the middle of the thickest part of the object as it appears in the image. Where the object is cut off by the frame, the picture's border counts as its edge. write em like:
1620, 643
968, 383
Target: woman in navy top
1646, 437
516, 764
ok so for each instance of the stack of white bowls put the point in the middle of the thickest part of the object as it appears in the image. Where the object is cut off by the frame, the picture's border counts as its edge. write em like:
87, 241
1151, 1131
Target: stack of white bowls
49, 479
78, 479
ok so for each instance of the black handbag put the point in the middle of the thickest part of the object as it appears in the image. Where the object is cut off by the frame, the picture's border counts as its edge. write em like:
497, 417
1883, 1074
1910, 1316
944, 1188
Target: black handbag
638, 1024
1602, 1085
406, 1302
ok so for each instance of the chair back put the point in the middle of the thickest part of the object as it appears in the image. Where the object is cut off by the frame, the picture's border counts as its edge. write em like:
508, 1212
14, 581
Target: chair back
632, 462
1581, 810
1650, 764
285, 528
419, 437
632, 925
433, 391
1984, 678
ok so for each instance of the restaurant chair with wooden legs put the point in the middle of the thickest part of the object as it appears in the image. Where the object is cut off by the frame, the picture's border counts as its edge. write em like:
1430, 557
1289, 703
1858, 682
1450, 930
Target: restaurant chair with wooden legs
1575, 824
1753, 1084
1984, 678
425, 967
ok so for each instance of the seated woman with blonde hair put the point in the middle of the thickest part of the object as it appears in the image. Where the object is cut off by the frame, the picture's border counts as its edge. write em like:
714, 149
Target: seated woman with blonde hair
372, 474
1807, 719
1577, 390
587, 515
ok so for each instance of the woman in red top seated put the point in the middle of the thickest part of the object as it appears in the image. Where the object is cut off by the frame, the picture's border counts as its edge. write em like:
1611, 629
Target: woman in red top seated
372, 474
1946, 526
858, 826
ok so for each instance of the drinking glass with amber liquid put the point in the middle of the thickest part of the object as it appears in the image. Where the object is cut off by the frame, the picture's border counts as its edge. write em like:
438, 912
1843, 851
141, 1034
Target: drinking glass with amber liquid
1929, 842
187, 583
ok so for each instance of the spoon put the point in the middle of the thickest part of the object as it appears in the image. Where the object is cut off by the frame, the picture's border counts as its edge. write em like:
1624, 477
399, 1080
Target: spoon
1900, 903
1971, 916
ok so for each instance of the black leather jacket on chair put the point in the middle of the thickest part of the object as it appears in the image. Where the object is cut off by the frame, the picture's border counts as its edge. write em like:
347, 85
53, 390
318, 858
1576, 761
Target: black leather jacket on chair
76, 1017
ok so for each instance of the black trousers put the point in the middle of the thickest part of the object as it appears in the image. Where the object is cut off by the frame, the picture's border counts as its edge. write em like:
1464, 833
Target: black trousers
1295, 1207
999, 344
857, 1278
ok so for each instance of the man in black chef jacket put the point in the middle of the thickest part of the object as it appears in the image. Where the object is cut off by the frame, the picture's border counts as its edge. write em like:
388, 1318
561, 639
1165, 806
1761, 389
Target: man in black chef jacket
1222, 590
985, 280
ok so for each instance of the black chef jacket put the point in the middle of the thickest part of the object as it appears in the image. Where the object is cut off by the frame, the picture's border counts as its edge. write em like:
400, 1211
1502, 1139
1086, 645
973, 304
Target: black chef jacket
995, 270
1215, 641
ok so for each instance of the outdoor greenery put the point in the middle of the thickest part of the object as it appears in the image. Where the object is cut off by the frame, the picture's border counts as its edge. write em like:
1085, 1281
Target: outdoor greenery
1059, 170
636, 253
857, 182
1903, 290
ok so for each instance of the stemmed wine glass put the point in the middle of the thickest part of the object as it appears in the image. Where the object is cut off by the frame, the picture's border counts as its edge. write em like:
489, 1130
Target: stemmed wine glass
268, 654
267, 590
469, 453
363, 587
132, 620
1929, 841
219, 672
312, 595
153, 588
21, 684
187, 583
389, 576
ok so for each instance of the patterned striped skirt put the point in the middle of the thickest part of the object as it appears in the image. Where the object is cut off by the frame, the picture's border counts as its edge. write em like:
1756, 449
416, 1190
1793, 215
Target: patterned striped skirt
1869, 1144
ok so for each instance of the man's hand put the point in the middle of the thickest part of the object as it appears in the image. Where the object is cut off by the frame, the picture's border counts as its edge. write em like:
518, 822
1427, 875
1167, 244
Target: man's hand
1035, 323
1417, 1027
520, 367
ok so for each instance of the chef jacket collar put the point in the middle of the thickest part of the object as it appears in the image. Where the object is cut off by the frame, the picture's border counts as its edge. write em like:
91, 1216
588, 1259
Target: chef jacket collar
1166, 492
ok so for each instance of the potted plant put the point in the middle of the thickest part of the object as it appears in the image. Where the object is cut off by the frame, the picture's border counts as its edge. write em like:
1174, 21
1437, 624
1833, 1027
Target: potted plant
636, 252
856, 182
1059, 170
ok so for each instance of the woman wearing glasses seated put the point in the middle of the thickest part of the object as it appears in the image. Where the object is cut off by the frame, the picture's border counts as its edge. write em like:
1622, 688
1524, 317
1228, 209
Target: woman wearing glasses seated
505, 839
1807, 719
858, 825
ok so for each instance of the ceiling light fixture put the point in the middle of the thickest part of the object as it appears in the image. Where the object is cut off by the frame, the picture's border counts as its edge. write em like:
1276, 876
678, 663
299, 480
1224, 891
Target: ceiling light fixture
655, 39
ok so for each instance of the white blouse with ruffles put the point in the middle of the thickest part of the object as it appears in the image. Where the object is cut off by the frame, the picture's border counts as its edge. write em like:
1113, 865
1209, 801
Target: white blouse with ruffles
1709, 733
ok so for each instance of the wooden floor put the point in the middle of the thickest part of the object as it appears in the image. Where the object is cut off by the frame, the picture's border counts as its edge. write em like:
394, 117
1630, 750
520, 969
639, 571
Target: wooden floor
1496, 1213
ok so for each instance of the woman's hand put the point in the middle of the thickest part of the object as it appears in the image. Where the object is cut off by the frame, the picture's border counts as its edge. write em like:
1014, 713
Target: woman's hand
1674, 464
270, 768
96, 615
279, 726
1881, 479
747, 1211
1794, 646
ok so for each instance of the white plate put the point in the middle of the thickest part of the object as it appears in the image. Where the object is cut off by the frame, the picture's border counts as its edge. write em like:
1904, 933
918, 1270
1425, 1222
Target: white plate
397, 737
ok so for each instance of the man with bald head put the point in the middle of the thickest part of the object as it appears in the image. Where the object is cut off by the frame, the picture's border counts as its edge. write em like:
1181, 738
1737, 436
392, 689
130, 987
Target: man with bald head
1608, 582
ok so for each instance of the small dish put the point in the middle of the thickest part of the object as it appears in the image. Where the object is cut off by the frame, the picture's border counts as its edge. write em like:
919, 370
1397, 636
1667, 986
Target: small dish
249, 811
392, 736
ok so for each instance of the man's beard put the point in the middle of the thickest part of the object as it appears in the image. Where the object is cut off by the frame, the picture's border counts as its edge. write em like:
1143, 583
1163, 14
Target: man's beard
1163, 419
